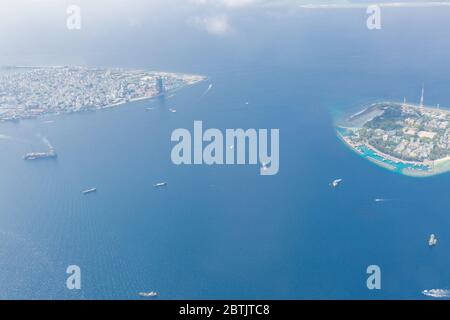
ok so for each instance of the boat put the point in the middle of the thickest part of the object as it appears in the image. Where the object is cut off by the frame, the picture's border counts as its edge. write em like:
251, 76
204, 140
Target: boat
87, 191
432, 241
40, 155
437, 293
172, 110
160, 184
336, 182
148, 294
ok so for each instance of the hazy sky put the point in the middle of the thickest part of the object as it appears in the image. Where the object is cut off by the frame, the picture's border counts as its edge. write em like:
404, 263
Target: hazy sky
35, 32
32, 28
39, 26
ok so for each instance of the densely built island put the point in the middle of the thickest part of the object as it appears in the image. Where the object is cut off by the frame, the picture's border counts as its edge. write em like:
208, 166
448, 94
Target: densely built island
409, 139
27, 92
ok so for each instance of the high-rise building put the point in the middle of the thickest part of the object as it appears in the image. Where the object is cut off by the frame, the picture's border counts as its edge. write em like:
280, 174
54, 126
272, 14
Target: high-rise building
160, 85
404, 105
422, 97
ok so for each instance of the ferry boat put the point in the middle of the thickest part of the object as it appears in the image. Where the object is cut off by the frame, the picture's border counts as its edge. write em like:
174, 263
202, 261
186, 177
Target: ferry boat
160, 184
336, 182
148, 294
87, 191
40, 155
437, 293
432, 241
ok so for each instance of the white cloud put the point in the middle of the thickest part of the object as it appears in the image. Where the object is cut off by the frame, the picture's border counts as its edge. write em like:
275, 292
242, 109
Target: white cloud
225, 3
321, 4
238, 3
382, 4
134, 23
217, 21
216, 25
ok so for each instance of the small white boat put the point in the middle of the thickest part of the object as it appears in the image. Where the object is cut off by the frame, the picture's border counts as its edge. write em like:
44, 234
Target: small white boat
160, 184
148, 294
87, 191
432, 241
382, 200
437, 293
172, 110
336, 182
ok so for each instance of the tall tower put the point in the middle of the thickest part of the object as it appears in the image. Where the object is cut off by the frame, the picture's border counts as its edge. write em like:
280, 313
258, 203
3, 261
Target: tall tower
404, 105
160, 85
422, 97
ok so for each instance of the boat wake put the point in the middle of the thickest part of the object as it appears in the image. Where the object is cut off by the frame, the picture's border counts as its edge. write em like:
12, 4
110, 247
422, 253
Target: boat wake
47, 143
207, 90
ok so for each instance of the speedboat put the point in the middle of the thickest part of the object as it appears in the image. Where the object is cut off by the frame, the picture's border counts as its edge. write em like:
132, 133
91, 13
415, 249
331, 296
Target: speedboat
432, 241
87, 191
336, 182
148, 294
160, 184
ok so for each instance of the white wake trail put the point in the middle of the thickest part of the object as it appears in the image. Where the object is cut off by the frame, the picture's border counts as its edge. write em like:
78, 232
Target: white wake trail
207, 90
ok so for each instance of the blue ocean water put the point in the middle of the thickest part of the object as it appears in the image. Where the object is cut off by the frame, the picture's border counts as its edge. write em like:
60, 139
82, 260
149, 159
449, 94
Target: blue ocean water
225, 231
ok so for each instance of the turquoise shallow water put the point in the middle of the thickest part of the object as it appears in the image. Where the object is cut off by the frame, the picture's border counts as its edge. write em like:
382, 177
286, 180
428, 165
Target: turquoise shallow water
227, 232
369, 154
398, 167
